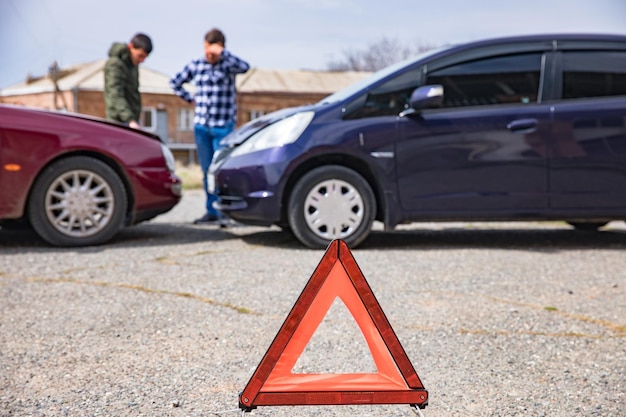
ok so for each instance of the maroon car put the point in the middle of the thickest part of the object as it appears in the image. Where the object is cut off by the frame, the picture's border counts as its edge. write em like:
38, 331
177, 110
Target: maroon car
78, 180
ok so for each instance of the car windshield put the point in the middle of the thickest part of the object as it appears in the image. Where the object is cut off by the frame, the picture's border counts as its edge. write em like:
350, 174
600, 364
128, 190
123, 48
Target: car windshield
374, 78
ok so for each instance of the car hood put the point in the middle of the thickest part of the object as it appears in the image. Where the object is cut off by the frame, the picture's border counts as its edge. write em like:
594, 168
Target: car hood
241, 134
113, 123
84, 117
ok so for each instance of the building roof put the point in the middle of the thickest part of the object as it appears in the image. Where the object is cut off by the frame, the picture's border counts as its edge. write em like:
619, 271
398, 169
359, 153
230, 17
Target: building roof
296, 81
89, 76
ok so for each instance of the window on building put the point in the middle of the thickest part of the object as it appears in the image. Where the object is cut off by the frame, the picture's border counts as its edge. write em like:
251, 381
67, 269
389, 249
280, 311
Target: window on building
255, 114
185, 120
148, 118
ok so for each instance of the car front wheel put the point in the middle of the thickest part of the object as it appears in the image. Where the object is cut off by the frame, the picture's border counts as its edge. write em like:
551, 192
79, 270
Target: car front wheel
331, 202
77, 201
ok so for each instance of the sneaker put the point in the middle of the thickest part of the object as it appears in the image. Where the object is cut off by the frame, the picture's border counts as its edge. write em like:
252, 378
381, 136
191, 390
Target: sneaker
207, 218
226, 222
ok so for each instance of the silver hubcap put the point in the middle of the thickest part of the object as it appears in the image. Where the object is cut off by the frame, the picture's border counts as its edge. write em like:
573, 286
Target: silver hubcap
333, 209
79, 203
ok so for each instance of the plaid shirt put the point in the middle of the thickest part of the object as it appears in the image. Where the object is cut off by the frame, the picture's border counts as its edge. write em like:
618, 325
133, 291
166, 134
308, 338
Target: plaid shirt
215, 99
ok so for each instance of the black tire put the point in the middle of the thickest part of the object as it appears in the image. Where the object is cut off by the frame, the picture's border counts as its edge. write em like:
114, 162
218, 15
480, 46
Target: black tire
77, 201
587, 226
331, 202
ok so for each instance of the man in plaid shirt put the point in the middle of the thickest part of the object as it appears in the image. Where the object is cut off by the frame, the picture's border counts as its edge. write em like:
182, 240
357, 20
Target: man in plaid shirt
215, 102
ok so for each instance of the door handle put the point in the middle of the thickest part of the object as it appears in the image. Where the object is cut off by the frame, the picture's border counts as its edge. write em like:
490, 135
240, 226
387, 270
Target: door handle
523, 126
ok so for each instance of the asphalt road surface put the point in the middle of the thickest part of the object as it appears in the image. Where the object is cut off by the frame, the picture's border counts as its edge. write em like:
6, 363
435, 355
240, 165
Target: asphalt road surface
172, 319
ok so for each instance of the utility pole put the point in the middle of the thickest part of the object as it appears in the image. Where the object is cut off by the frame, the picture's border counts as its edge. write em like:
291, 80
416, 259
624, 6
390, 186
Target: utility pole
53, 73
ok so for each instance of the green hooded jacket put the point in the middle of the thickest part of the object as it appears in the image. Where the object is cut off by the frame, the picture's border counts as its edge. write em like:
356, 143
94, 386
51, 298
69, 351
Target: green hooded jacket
121, 85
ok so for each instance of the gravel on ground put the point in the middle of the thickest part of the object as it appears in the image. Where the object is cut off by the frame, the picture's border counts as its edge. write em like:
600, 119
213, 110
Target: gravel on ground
171, 318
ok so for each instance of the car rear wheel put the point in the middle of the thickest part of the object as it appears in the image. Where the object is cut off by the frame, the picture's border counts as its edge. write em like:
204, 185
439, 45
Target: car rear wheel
77, 201
587, 226
331, 202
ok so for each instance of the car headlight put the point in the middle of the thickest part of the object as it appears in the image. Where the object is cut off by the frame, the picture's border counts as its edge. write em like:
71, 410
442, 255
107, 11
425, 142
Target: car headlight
277, 134
169, 158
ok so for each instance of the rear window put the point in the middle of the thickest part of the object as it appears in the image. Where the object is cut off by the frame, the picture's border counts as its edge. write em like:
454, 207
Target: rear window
594, 74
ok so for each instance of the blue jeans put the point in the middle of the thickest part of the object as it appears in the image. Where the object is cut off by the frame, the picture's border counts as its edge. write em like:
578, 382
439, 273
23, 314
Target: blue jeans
207, 142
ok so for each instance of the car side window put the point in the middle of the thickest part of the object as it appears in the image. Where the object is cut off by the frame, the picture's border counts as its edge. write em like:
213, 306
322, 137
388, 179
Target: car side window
496, 80
594, 74
387, 99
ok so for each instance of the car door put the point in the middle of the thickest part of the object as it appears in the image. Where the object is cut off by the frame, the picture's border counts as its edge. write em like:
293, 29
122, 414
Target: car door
588, 154
484, 152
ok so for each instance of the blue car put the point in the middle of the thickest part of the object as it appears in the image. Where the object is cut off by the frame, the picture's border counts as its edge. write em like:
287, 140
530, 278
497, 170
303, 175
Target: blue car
519, 128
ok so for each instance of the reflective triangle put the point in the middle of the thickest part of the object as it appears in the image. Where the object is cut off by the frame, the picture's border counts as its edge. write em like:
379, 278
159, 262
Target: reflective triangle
336, 277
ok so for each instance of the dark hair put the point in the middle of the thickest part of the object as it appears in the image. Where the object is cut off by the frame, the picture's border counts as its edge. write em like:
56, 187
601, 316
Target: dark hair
215, 36
142, 41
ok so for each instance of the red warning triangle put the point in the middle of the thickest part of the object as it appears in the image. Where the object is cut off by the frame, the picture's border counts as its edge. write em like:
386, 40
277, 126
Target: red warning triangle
395, 382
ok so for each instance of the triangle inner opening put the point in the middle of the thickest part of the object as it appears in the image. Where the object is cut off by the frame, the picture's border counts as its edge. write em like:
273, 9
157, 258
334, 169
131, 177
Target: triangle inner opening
339, 338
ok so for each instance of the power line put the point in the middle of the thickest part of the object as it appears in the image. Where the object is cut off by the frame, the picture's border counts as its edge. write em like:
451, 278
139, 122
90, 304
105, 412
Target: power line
25, 25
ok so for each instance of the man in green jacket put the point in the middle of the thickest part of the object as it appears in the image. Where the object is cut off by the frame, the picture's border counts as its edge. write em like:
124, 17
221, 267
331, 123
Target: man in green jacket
121, 79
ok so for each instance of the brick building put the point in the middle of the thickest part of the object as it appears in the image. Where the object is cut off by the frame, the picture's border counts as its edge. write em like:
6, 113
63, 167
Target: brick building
79, 89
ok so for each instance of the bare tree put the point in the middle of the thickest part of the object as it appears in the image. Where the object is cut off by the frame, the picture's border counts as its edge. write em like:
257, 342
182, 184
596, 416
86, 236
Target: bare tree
376, 56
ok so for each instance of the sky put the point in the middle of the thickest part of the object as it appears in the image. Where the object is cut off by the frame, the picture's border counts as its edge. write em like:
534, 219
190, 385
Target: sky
273, 34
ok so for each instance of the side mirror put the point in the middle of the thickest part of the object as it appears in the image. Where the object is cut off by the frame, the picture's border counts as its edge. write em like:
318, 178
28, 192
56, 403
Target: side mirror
427, 96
